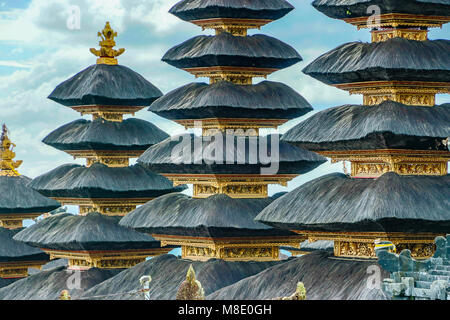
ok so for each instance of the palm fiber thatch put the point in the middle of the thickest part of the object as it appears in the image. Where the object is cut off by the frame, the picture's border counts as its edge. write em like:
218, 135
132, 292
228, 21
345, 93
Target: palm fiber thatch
168, 272
190, 10
224, 99
390, 203
218, 216
324, 277
256, 51
15, 251
342, 9
48, 284
389, 125
396, 59
130, 134
108, 85
233, 154
92, 232
17, 197
101, 181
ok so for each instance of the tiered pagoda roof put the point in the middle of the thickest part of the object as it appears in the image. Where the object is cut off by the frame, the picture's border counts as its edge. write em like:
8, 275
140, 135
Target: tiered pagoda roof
107, 185
230, 184
397, 142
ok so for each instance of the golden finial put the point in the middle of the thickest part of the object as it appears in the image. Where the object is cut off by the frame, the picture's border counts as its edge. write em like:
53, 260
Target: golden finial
7, 165
106, 54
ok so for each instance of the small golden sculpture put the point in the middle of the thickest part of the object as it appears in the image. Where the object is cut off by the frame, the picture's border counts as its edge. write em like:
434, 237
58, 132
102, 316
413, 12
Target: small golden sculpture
106, 54
7, 165
299, 294
190, 289
65, 295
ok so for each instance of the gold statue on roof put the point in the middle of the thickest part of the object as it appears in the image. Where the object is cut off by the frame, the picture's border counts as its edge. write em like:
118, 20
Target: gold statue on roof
7, 165
106, 54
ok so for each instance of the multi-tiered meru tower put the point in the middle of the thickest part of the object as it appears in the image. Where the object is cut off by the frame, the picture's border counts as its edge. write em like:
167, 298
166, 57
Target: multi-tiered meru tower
107, 188
226, 164
397, 142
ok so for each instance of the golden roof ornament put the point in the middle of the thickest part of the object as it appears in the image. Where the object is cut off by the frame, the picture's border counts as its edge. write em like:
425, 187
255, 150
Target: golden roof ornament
107, 55
7, 165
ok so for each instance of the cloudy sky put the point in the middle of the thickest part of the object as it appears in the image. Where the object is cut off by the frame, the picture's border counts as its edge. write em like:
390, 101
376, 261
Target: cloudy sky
39, 49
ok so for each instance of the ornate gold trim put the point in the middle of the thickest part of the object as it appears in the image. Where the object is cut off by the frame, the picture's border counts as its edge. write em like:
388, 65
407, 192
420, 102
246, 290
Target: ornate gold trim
15, 221
109, 113
230, 249
362, 244
410, 34
374, 163
13, 270
395, 20
108, 207
224, 124
233, 185
405, 92
84, 260
237, 75
107, 55
114, 159
237, 27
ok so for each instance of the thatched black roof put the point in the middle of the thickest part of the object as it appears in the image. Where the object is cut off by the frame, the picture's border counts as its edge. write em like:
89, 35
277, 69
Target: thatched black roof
130, 134
342, 9
190, 10
390, 203
389, 125
92, 232
102, 84
163, 157
17, 197
324, 277
218, 216
395, 59
15, 251
168, 272
48, 284
101, 181
256, 51
265, 100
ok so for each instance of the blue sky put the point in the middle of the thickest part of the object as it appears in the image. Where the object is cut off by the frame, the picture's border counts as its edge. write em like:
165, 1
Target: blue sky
38, 51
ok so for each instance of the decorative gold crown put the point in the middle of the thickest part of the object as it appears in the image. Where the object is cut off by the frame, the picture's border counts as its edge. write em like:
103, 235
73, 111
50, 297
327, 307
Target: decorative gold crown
7, 165
106, 54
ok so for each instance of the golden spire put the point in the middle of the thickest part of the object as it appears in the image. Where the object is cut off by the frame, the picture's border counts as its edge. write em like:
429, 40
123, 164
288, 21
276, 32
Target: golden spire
7, 165
106, 54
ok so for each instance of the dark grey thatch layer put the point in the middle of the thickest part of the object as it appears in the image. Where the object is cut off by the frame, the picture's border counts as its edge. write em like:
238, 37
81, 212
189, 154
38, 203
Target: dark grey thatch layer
7, 282
47, 285
17, 197
391, 203
100, 181
218, 216
102, 84
390, 125
265, 100
189, 10
167, 156
168, 272
131, 134
92, 232
257, 51
12, 250
395, 59
341, 9
325, 278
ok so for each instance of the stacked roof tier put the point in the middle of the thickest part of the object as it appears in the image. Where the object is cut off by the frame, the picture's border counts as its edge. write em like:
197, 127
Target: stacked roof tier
397, 142
17, 257
92, 241
107, 183
230, 165
18, 201
234, 16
